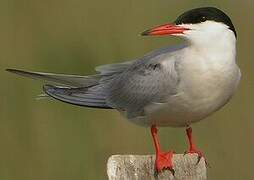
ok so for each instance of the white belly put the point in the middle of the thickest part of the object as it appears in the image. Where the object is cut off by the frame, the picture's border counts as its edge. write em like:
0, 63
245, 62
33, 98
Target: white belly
199, 96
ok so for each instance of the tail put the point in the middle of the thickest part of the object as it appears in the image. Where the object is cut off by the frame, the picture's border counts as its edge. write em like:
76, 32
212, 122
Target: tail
89, 91
84, 96
73, 89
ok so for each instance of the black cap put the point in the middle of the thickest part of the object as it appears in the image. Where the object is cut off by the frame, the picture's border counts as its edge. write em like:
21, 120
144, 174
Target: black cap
203, 14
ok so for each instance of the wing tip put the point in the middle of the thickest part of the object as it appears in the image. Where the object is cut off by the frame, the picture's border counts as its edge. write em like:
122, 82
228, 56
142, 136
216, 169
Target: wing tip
18, 71
12, 70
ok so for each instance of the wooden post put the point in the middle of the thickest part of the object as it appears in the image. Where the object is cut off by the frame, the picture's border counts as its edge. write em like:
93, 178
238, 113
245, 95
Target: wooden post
141, 167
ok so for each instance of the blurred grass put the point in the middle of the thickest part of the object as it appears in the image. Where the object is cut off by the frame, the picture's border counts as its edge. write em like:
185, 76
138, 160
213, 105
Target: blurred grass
52, 140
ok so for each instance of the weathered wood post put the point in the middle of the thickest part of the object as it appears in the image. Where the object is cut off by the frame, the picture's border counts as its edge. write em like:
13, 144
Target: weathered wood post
141, 167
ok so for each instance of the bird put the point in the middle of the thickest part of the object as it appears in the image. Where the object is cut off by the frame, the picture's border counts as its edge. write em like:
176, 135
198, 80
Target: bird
173, 86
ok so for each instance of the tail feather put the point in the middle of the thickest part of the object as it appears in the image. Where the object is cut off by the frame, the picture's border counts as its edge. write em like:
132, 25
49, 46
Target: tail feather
86, 91
78, 96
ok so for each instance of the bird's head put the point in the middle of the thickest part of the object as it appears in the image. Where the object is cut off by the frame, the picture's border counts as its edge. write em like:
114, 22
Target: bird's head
198, 25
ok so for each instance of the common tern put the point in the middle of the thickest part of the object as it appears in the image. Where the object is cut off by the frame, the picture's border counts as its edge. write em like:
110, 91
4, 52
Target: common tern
172, 86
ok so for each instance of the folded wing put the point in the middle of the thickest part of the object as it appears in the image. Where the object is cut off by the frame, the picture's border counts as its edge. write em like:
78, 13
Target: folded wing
89, 91
60, 79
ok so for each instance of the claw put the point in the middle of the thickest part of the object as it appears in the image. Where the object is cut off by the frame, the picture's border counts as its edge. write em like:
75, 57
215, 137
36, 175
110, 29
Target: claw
172, 171
192, 147
199, 158
164, 161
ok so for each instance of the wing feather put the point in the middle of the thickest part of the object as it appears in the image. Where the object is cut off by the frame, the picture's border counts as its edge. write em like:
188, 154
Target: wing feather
145, 82
78, 96
63, 79
128, 86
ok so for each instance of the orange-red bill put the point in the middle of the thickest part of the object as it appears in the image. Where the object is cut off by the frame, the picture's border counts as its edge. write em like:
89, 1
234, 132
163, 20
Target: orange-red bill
166, 29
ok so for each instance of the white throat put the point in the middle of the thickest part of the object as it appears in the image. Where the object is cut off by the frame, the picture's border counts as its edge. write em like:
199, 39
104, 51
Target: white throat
212, 38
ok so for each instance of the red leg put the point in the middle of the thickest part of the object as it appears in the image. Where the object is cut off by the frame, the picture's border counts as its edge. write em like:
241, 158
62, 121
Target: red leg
192, 148
163, 159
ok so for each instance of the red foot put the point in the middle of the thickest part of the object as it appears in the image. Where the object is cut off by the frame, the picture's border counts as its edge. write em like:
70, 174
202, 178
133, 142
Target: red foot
164, 161
199, 153
192, 147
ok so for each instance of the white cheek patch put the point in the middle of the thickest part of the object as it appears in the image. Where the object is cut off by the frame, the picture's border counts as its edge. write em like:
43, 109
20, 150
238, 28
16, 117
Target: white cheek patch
207, 28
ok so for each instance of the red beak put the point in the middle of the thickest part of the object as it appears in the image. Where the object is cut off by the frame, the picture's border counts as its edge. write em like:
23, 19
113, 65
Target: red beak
166, 29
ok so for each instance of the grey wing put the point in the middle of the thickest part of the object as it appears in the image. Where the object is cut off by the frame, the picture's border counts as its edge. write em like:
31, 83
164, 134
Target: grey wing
142, 84
105, 72
87, 91
85, 96
89, 96
113, 69
60, 79
130, 85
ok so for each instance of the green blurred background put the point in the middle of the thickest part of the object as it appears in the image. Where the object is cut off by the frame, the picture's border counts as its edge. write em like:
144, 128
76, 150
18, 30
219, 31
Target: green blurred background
45, 139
